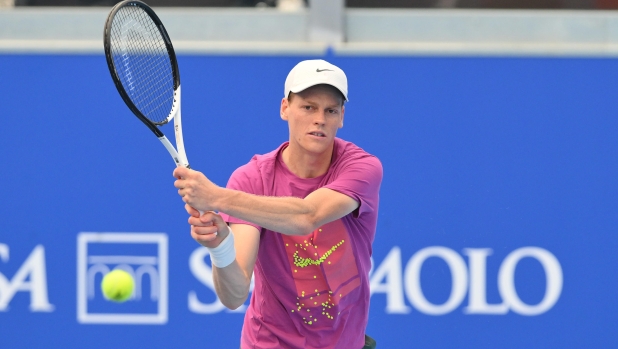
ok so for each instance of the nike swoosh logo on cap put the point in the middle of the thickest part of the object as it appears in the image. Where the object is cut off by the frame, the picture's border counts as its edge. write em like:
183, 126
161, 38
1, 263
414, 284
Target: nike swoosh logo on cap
321, 70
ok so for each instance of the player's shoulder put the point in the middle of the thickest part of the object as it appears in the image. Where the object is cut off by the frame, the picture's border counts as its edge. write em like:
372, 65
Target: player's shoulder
244, 170
247, 178
347, 149
350, 153
259, 164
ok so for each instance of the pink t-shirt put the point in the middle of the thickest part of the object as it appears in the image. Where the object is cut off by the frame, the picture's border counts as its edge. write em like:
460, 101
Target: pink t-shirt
312, 291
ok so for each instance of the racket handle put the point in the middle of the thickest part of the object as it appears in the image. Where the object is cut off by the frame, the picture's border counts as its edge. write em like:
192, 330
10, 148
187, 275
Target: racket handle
189, 167
176, 157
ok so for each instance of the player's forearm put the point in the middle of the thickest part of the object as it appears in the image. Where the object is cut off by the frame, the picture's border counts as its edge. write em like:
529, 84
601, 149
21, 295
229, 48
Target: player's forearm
231, 285
286, 215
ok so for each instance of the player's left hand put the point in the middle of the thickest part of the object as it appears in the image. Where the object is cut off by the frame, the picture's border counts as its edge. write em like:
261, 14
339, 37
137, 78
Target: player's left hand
196, 189
208, 229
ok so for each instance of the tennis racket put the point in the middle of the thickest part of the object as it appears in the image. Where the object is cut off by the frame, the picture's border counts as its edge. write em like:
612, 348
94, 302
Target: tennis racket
143, 65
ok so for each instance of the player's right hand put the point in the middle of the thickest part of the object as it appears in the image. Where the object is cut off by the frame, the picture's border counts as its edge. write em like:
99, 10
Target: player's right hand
208, 229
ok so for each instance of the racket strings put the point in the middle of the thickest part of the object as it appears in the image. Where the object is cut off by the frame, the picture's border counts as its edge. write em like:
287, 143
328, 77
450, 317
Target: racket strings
152, 96
157, 65
156, 94
157, 89
142, 62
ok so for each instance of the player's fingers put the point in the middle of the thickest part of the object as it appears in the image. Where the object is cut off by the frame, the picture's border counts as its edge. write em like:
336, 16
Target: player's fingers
186, 195
199, 223
208, 216
180, 172
199, 230
204, 232
186, 190
216, 220
204, 240
221, 225
193, 212
179, 183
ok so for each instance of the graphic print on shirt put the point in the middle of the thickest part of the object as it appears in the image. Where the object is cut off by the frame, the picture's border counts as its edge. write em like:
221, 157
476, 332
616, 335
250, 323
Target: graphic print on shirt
324, 270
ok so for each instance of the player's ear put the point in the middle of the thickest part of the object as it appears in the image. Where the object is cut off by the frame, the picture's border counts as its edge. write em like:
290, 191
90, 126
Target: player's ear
285, 105
342, 114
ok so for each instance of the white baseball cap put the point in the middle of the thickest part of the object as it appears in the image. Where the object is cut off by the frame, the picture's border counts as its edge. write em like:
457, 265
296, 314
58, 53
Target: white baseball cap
315, 72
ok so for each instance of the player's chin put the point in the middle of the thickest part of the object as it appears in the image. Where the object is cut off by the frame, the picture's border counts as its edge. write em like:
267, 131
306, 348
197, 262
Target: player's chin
319, 144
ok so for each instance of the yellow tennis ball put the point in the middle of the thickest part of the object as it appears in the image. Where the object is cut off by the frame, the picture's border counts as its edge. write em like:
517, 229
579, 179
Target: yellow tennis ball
117, 285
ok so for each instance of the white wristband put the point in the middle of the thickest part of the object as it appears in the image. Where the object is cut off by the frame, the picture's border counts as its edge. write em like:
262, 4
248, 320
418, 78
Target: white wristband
224, 254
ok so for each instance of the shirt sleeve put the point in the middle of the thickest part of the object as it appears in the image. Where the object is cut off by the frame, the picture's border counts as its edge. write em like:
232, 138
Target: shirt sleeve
246, 179
360, 179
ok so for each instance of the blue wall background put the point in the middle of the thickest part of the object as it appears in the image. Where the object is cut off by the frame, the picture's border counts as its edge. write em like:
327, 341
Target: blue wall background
497, 153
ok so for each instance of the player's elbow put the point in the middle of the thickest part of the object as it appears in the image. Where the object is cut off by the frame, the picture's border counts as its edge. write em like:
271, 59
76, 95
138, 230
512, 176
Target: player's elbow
304, 221
232, 305
233, 296
305, 225
234, 302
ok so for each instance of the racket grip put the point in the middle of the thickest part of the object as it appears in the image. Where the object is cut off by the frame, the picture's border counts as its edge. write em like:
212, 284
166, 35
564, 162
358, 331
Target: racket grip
180, 161
189, 167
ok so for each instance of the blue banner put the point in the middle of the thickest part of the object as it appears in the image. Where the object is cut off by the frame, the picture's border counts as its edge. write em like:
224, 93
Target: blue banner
498, 215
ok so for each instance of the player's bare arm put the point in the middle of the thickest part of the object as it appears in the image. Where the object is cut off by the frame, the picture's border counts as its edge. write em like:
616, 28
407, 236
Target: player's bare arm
233, 281
286, 215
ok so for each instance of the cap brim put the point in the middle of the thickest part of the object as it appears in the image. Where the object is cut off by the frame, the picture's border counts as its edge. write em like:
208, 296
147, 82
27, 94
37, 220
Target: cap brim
302, 87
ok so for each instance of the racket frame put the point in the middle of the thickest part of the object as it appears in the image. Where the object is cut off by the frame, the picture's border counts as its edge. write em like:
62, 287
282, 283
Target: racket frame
178, 153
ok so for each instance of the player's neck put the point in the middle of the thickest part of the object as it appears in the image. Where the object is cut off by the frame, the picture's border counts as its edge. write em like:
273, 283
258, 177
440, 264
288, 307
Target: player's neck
305, 164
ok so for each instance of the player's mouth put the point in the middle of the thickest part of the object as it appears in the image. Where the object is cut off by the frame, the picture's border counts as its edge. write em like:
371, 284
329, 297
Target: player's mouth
317, 134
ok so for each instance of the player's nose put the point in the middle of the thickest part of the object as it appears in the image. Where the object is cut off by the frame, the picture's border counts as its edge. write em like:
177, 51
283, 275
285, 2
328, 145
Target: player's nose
320, 118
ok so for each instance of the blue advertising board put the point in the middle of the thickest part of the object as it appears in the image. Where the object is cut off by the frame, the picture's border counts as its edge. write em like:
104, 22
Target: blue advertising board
498, 211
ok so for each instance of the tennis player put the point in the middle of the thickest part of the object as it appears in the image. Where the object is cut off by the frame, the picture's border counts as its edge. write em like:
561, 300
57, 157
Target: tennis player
303, 219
